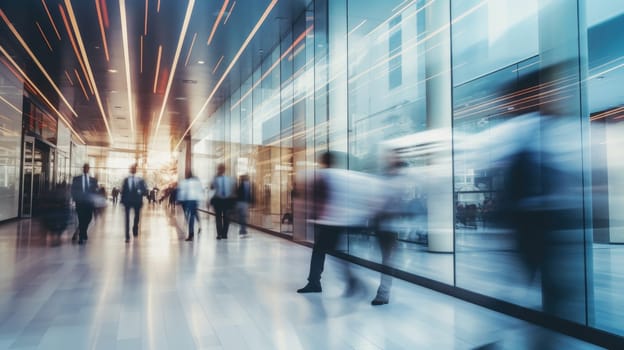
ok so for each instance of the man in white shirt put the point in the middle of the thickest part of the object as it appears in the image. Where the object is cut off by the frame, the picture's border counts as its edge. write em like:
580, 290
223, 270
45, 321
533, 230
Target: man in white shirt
190, 192
222, 201
343, 199
132, 193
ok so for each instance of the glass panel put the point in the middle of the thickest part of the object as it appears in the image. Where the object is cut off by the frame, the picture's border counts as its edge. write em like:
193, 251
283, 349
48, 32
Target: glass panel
518, 163
398, 103
606, 114
291, 53
11, 104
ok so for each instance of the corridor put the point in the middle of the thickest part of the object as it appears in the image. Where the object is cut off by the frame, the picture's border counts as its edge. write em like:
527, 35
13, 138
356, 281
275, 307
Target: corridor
159, 292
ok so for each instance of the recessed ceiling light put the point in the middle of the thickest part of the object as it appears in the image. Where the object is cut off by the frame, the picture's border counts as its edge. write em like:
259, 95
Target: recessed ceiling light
181, 98
201, 62
112, 70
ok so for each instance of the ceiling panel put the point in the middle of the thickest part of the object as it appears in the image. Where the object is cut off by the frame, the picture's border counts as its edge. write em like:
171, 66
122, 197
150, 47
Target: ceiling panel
154, 42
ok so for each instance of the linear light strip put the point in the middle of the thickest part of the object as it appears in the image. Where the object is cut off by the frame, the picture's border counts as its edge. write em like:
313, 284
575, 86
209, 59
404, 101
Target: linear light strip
11, 105
158, 7
275, 64
105, 13
229, 12
606, 71
187, 20
607, 114
146, 14
72, 17
45, 99
157, 67
101, 21
45, 6
75, 46
218, 64
126, 51
44, 36
141, 61
84, 91
216, 23
229, 68
36, 60
399, 5
356, 27
190, 50
71, 82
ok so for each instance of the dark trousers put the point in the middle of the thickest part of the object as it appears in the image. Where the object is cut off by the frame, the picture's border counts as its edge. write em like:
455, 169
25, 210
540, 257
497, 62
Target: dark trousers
137, 216
222, 207
325, 240
190, 213
85, 214
387, 242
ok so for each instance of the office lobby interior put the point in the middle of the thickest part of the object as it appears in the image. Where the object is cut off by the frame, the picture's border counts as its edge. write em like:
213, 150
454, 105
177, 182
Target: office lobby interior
484, 134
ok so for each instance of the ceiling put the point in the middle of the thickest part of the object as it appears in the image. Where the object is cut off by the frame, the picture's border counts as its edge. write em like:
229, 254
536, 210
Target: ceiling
75, 53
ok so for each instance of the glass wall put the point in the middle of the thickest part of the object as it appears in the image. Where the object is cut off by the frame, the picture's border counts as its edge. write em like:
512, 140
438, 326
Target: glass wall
504, 116
11, 105
606, 112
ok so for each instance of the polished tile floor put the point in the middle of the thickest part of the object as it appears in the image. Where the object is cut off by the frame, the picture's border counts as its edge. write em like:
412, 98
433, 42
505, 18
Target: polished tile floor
159, 292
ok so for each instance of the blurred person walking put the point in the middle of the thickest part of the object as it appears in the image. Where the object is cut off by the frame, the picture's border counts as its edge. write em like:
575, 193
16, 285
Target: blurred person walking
132, 192
222, 200
115, 193
56, 211
390, 220
243, 200
189, 193
83, 189
342, 200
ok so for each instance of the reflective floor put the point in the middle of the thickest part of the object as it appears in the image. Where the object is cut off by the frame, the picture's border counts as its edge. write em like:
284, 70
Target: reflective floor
159, 292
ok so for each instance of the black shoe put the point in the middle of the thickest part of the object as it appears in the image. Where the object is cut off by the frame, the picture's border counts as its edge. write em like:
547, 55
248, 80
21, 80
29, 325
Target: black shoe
75, 237
379, 301
310, 288
218, 237
190, 239
81, 241
224, 237
127, 240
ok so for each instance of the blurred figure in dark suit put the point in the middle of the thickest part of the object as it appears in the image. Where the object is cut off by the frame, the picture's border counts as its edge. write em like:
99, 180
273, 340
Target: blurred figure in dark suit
83, 188
132, 192
56, 210
115, 193
222, 201
243, 200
